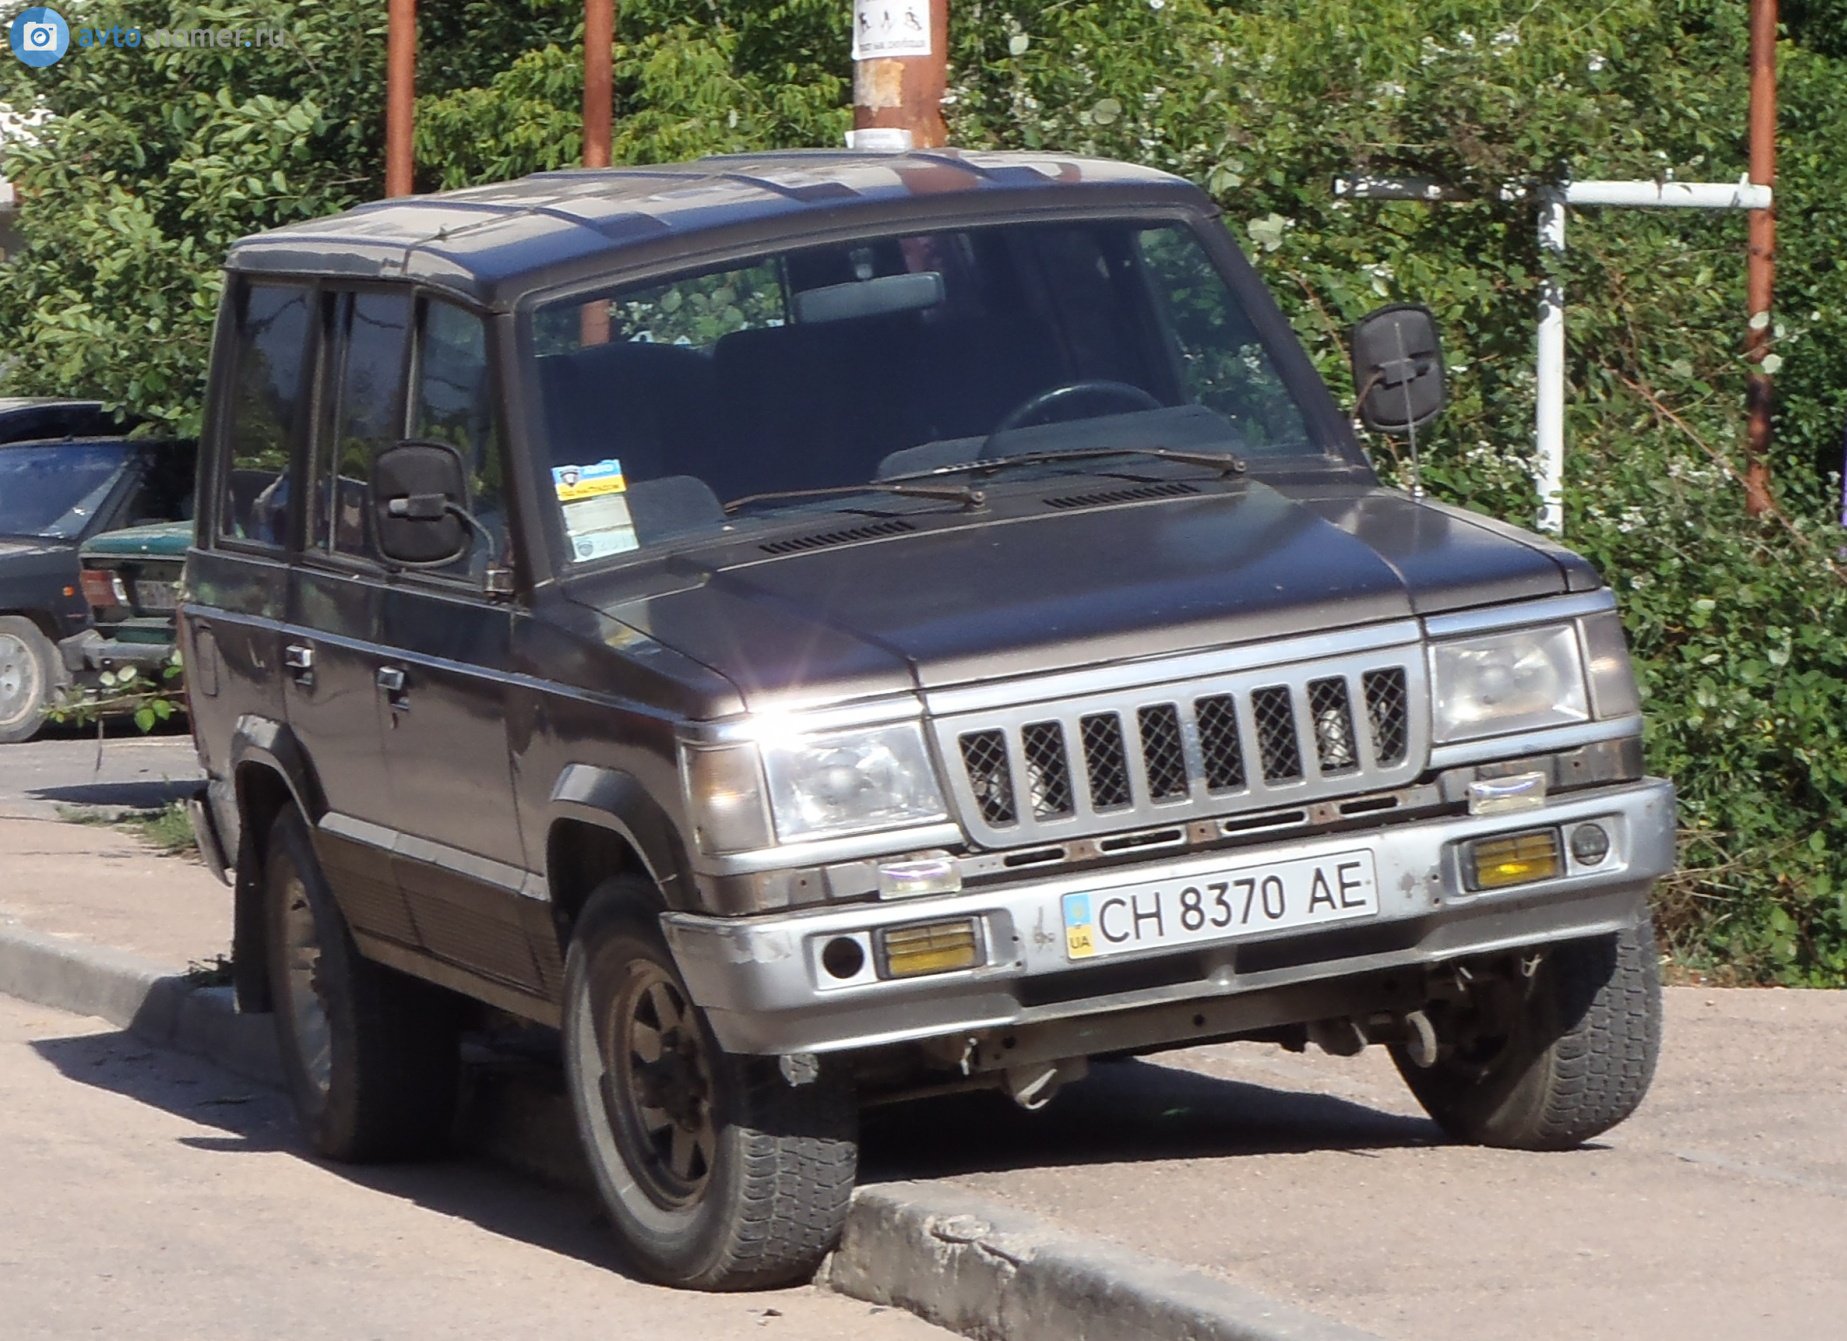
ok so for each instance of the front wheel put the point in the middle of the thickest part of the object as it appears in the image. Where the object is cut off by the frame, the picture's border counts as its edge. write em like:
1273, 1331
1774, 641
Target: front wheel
717, 1172
1548, 1059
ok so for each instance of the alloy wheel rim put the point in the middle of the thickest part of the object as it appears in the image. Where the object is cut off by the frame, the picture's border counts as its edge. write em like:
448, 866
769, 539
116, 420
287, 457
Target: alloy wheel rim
657, 1087
307, 994
19, 678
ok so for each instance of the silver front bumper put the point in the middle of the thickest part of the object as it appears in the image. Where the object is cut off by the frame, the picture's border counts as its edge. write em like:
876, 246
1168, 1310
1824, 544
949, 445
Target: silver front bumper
761, 982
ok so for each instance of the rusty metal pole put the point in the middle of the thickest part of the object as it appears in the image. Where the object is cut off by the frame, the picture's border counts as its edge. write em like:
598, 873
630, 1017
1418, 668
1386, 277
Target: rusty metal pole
1761, 273
599, 80
900, 73
400, 94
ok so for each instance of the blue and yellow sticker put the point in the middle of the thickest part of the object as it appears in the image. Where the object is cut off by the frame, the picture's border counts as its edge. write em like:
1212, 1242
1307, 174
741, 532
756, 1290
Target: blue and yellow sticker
1080, 934
574, 483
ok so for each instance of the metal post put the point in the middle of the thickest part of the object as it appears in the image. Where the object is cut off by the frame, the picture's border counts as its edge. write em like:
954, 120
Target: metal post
599, 80
1761, 269
1549, 419
400, 93
1549, 412
900, 73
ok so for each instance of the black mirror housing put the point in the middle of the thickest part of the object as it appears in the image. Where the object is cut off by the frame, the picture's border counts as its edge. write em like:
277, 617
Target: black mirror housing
1398, 368
417, 489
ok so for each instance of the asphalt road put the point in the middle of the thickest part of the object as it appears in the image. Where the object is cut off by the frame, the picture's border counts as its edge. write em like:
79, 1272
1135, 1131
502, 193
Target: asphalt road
147, 1194
63, 768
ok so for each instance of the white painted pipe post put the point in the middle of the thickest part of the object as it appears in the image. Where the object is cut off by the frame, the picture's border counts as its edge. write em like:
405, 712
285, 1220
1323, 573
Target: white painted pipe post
1550, 418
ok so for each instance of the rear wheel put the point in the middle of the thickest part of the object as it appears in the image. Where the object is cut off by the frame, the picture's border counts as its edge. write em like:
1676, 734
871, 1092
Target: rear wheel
28, 676
717, 1172
1547, 1060
371, 1056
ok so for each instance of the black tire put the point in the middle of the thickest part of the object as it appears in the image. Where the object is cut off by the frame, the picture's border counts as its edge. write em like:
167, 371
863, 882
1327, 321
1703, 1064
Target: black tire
1577, 1059
29, 675
372, 1056
732, 1179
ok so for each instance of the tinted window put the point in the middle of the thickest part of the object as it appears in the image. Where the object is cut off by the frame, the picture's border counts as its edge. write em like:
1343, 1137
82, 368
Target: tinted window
372, 331
452, 401
268, 387
54, 490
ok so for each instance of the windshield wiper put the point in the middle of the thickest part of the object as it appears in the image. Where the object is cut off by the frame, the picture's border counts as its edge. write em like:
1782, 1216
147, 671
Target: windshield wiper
966, 495
1225, 463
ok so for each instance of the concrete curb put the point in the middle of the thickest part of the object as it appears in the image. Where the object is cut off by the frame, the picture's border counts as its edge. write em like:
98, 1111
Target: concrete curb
983, 1270
993, 1272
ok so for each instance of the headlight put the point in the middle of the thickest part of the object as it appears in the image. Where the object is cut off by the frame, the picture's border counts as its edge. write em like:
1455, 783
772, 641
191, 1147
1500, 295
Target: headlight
1499, 683
821, 784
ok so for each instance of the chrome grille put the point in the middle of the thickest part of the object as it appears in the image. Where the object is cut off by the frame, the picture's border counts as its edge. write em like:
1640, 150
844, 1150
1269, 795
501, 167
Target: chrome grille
1213, 745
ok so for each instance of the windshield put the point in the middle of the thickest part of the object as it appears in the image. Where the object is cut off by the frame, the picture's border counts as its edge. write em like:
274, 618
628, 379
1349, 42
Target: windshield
820, 367
54, 490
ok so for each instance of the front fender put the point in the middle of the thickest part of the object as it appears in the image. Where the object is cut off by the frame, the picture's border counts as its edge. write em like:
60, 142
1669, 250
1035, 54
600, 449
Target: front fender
611, 799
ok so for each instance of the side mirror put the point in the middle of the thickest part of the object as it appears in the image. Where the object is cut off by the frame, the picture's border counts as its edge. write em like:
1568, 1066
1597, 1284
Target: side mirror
419, 500
1398, 368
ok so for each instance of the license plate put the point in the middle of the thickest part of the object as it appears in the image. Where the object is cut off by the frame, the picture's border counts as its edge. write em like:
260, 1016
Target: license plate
1245, 900
157, 595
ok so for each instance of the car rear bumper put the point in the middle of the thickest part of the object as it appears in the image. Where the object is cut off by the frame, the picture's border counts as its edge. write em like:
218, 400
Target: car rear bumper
91, 652
762, 983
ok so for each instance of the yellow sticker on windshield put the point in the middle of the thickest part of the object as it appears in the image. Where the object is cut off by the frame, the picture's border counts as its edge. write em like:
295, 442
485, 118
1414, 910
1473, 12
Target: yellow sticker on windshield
591, 481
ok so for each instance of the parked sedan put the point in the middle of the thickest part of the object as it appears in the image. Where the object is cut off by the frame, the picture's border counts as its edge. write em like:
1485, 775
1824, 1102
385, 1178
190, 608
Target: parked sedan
131, 579
66, 474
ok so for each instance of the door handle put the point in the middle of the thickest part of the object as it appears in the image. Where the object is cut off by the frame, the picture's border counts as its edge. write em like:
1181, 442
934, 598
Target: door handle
299, 658
391, 679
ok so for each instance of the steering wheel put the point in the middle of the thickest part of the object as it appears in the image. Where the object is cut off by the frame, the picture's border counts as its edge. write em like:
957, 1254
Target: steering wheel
1039, 402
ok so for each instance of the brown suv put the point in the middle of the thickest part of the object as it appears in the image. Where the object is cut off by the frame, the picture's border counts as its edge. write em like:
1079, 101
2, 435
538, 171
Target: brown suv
829, 626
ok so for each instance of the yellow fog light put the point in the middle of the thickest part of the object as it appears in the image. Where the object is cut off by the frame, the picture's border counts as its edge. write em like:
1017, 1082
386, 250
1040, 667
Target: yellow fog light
930, 947
1513, 859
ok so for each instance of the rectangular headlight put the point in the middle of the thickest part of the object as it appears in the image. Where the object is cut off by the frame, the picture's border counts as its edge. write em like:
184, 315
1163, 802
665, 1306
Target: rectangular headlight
1498, 683
1513, 859
827, 783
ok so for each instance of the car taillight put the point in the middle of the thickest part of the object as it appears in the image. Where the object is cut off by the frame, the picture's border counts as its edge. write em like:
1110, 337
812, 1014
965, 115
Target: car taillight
104, 588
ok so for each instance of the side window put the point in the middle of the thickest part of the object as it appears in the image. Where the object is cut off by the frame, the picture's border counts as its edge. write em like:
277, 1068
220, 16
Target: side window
1223, 364
452, 401
268, 395
372, 332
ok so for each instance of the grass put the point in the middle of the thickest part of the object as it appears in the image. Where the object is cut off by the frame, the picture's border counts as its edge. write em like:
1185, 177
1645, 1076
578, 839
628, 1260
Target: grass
167, 830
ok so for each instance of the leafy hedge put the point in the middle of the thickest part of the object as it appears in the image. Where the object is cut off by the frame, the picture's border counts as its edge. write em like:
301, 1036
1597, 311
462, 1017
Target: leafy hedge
158, 160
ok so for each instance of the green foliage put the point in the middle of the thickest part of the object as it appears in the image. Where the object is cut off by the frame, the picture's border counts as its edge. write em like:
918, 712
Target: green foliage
157, 161
127, 692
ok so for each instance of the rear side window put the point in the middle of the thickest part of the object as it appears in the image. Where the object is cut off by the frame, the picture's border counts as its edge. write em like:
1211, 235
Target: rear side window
271, 360
371, 332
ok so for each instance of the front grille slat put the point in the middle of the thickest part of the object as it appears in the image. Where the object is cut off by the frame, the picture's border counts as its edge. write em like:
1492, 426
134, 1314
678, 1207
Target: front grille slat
1387, 703
1106, 766
1163, 758
1208, 747
1280, 750
1048, 773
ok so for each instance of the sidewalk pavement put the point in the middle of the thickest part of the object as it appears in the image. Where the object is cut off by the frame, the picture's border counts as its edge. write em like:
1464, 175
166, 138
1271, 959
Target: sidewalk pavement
95, 922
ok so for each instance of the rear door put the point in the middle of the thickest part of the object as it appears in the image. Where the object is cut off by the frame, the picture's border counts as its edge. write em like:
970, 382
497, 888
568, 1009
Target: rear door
238, 576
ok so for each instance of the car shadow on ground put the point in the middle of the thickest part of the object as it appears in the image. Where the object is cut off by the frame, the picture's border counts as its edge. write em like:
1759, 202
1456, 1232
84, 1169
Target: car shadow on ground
1124, 1112
250, 1118
153, 794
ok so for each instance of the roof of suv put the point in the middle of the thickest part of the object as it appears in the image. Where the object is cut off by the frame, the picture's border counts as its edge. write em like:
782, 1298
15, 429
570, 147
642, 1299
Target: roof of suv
492, 243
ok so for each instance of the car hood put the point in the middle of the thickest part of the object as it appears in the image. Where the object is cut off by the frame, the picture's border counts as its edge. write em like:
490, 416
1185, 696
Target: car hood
13, 546
953, 598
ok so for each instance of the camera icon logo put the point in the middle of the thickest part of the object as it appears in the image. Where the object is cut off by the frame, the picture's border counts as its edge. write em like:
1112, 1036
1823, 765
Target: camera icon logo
39, 36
